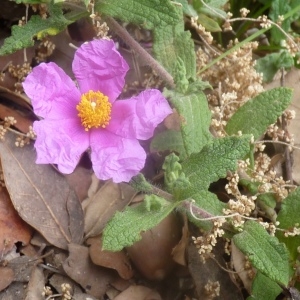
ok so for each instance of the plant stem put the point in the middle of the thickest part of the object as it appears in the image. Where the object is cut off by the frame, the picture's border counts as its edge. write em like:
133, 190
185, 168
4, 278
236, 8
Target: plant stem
148, 59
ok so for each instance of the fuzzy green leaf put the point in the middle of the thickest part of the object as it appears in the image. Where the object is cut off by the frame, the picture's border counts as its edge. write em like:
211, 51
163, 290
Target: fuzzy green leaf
264, 288
271, 63
187, 8
257, 114
36, 27
168, 140
196, 116
125, 228
212, 163
208, 203
288, 217
149, 14
172, 43
264, 251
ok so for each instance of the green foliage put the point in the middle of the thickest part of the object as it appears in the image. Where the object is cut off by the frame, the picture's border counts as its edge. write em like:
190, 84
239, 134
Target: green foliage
273, 62
264, 288
265, 252
195, 114
187, 8
170, 140
149, 14
212, 163
36, 27
209, 203
125, 228
257, 114
171, 44
288, 217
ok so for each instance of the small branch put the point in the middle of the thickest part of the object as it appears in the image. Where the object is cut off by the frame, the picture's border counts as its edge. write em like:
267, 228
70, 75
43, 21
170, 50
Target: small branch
147, 58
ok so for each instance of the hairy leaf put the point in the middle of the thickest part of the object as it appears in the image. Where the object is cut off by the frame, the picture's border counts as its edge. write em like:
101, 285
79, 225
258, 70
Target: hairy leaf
168, 140
36, 27
288, 217
172, 43
149, 14
264, 288
196, 116
125, 228
264, 251
257, 114
212, 163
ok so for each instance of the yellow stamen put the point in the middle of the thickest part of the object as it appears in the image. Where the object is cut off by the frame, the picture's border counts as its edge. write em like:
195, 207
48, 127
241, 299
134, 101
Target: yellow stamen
94, 110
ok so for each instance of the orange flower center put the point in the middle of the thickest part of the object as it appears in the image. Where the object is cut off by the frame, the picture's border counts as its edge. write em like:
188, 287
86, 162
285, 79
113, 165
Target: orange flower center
94, 110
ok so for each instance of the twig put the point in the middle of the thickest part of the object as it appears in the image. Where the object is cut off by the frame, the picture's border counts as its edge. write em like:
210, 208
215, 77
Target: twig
147, 58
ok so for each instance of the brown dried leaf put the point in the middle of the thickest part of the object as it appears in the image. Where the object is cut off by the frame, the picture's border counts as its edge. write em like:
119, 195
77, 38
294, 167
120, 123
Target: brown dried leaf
6, 277
110, 198
41, 196
211, 271
138, 292
93, 279
12, 228
36, 284
113, 260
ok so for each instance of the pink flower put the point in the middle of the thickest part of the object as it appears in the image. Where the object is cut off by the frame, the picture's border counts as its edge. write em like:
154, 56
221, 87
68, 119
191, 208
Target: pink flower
76, 119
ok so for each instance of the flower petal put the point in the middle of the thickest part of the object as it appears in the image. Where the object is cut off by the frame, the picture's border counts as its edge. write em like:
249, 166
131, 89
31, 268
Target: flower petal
98, 66
138, 116
60, 143
115, 157
52, 92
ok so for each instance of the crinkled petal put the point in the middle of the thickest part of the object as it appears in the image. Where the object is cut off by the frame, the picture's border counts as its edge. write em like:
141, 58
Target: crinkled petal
137, 117
114, 157
60, 143
52, 92
98, 66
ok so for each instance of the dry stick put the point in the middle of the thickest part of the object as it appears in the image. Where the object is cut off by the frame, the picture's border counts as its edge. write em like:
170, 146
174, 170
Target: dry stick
287, 153
148, 59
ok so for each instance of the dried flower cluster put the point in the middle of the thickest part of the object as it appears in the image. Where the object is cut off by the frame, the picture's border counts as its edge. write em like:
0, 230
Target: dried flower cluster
208, 240
235, 81
212, 289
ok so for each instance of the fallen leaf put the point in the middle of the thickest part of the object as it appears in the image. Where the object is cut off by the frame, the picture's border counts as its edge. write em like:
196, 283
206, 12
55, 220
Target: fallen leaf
138, 292
41, 196
6, 277
203, 272
152, 254
113, 260
36, 284
238, 261
14, 292
12, 228
111, 197
93, 279
178, 252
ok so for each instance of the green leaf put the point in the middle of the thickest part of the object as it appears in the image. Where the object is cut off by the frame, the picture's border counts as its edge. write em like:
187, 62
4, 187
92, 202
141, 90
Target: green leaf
279, 8
168, 140
207, 202
209, 24
23, 37
31, 1
125, 228
187, 8
288, 217
264, 288
271, 63
265, 252
196, 116
212, 163
149, 14
172, 43
257, 114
